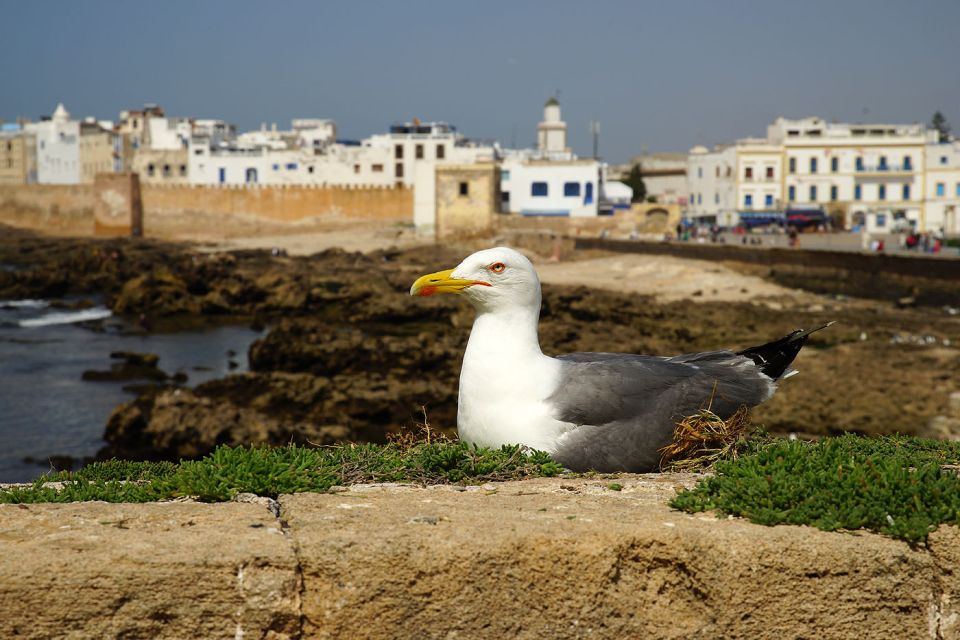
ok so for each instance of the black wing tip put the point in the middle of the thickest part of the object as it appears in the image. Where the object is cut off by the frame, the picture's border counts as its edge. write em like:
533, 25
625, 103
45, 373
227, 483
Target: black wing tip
774, 358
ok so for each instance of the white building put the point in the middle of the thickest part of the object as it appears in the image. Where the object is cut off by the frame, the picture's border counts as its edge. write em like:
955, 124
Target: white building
867, 173
58, 148
868, 176
416, 142
167, 134
533, 187
713, 185
943, 187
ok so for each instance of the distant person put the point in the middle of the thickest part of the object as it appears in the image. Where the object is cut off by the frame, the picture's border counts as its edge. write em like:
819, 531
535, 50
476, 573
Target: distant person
679, 231
793, 238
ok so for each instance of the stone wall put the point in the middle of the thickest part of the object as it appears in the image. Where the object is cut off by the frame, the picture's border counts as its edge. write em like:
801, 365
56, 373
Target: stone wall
170, 210
466, 198
548, 558
54, 208
117, 207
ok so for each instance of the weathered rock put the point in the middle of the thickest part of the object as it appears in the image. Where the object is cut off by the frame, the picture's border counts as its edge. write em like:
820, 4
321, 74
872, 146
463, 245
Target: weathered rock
571, 559
176, 423
562, 558
163, 570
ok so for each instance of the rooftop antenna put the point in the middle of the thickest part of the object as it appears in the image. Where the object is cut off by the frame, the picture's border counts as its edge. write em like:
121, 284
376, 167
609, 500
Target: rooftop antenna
595, 131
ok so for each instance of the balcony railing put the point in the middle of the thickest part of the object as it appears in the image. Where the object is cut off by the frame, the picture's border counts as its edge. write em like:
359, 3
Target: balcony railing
885, 168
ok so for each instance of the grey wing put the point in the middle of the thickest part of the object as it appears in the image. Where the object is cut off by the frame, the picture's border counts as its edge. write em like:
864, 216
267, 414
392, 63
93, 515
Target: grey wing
626, 406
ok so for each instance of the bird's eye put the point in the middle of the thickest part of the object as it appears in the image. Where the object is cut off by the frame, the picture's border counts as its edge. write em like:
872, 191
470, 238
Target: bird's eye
498, 267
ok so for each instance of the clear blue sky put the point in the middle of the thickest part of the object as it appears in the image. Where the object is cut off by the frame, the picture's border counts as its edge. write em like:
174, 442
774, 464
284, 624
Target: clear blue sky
660, 75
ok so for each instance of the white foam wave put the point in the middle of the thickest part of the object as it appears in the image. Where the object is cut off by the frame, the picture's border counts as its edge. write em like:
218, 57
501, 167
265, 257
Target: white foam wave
67, 317
24, 304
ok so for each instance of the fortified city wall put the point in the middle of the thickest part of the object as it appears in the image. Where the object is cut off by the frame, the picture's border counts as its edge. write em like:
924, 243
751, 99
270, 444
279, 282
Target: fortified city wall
167, 210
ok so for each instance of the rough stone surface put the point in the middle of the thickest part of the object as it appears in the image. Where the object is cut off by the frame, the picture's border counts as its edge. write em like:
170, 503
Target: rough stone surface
559, 558
161, 570
574, 559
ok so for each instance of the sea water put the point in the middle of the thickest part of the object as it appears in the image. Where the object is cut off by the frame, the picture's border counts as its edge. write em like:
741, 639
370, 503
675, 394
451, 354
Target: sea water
47, 409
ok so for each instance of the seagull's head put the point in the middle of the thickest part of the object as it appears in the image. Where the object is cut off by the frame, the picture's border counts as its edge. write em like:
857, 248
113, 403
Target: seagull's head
492, 280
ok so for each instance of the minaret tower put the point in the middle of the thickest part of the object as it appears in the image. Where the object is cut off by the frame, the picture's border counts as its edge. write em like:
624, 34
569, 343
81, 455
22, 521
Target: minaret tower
552, 132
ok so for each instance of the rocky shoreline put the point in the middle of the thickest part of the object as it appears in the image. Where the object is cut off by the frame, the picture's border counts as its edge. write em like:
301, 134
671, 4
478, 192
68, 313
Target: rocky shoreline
350, 356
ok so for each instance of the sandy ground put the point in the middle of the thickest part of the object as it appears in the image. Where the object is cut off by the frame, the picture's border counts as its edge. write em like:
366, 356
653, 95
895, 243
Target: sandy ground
668, 279
665, 277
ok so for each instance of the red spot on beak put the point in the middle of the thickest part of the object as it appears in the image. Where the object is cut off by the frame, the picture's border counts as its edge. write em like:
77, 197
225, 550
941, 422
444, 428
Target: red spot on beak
427, 291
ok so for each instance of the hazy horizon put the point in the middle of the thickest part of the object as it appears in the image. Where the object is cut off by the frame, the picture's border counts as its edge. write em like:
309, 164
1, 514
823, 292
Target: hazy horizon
657, 77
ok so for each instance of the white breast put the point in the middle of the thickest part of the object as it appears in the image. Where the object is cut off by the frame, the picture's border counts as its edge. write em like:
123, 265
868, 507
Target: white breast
504, 384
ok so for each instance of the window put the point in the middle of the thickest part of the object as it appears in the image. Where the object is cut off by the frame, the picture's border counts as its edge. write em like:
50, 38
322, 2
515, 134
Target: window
882, 192
833, 193
906, 192
166, 171
398, 170
858, 192
699, 172
881, 219
834, 165
748, 200
793, 165
716, 171
291, 166
941, 189
196, 152
505, 175
813, 193
748, 173
441, 152
538, 189
223, 175
813, 165
151, 169
183, 170
958, 189
769, 173
398, 151
571, 189
907, 163
419, 152
699, 198
376, 168
588, 196
310, 169
464, 186
883, 163
943, 159
859, 164
251, 176
276, 167
791, 193
356, 168
768, 200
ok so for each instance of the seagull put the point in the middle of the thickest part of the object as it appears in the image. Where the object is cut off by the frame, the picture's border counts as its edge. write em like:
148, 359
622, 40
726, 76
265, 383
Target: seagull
605, 412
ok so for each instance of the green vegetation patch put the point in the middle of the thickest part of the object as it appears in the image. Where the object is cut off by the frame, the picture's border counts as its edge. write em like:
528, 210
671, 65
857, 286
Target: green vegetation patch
894, 485
269, 471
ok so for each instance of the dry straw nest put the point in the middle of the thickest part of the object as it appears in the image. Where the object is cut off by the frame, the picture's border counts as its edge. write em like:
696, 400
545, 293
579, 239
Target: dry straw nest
703, 438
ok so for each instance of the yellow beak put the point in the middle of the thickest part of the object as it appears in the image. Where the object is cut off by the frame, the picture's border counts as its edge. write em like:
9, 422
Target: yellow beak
441, 282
